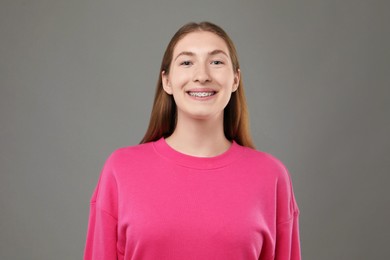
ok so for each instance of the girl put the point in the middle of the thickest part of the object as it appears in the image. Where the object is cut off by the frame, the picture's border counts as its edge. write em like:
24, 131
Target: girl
195, 188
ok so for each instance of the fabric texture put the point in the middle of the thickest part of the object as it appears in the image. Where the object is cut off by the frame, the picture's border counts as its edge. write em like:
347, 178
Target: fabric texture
153, 202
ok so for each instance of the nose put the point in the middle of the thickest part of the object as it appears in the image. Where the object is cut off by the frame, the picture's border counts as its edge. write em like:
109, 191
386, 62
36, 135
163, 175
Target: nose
202, 74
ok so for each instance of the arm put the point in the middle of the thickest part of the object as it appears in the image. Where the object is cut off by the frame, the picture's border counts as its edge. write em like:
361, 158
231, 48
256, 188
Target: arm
287, 244
287, 240
101, 242
101, 236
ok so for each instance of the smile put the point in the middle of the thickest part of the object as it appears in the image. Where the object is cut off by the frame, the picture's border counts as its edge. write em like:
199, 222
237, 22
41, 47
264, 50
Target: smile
201, 94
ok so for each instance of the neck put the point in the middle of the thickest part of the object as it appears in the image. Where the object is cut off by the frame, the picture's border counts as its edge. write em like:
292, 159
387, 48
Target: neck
202, 138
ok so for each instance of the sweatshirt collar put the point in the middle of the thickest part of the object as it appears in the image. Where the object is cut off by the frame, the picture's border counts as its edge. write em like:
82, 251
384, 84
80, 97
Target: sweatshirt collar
234, 152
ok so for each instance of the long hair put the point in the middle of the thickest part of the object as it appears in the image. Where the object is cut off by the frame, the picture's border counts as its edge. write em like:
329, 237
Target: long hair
164, 112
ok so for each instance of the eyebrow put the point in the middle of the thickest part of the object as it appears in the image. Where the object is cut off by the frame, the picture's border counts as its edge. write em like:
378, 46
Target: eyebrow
214, 52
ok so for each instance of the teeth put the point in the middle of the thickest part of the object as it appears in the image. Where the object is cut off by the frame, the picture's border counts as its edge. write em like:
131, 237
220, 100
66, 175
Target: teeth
201, 94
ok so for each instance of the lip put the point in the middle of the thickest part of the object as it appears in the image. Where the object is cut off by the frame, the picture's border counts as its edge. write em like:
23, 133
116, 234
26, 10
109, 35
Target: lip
202, 90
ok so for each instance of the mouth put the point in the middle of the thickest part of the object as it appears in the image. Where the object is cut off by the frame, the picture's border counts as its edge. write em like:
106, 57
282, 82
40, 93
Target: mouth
201, 94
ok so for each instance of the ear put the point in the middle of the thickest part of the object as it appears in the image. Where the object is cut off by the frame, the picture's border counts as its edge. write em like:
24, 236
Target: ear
165, 82
237, 77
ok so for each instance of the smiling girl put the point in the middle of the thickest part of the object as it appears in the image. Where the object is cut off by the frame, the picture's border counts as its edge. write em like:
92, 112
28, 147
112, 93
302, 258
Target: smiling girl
195, 188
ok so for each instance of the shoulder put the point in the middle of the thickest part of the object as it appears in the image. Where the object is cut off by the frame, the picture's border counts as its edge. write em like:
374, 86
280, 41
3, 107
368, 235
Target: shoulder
265, 161
127, 154
277, 171
122, 159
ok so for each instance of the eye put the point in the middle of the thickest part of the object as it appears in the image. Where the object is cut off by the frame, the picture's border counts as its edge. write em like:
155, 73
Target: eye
186, 63
217, 62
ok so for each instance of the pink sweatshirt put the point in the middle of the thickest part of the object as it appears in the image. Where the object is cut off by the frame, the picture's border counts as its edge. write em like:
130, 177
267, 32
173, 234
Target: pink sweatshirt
155, 203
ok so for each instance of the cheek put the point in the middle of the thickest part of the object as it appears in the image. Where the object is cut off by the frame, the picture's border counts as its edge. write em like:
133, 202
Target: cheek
179, 79
224, 79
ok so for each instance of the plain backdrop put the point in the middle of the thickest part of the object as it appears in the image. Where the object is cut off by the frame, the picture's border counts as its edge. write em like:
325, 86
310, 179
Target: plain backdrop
77, 81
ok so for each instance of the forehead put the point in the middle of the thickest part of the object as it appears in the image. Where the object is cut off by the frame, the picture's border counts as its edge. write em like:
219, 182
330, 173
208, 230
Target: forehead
200, 42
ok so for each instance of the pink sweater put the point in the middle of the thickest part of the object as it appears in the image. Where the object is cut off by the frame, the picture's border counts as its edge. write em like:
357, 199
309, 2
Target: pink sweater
155, 203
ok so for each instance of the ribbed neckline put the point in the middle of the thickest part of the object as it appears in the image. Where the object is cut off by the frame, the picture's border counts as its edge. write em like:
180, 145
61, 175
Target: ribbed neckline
234, 152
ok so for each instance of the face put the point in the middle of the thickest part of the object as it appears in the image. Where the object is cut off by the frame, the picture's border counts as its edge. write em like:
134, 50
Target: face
201, 77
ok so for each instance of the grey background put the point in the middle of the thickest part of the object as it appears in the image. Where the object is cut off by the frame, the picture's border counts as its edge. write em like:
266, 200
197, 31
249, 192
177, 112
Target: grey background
77, 81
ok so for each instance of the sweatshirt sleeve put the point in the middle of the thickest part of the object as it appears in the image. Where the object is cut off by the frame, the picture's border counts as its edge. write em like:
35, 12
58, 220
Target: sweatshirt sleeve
287, 246
101, 242
287, 240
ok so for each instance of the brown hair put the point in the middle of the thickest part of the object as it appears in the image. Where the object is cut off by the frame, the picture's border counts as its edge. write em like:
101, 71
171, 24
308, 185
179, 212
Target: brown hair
164, 113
